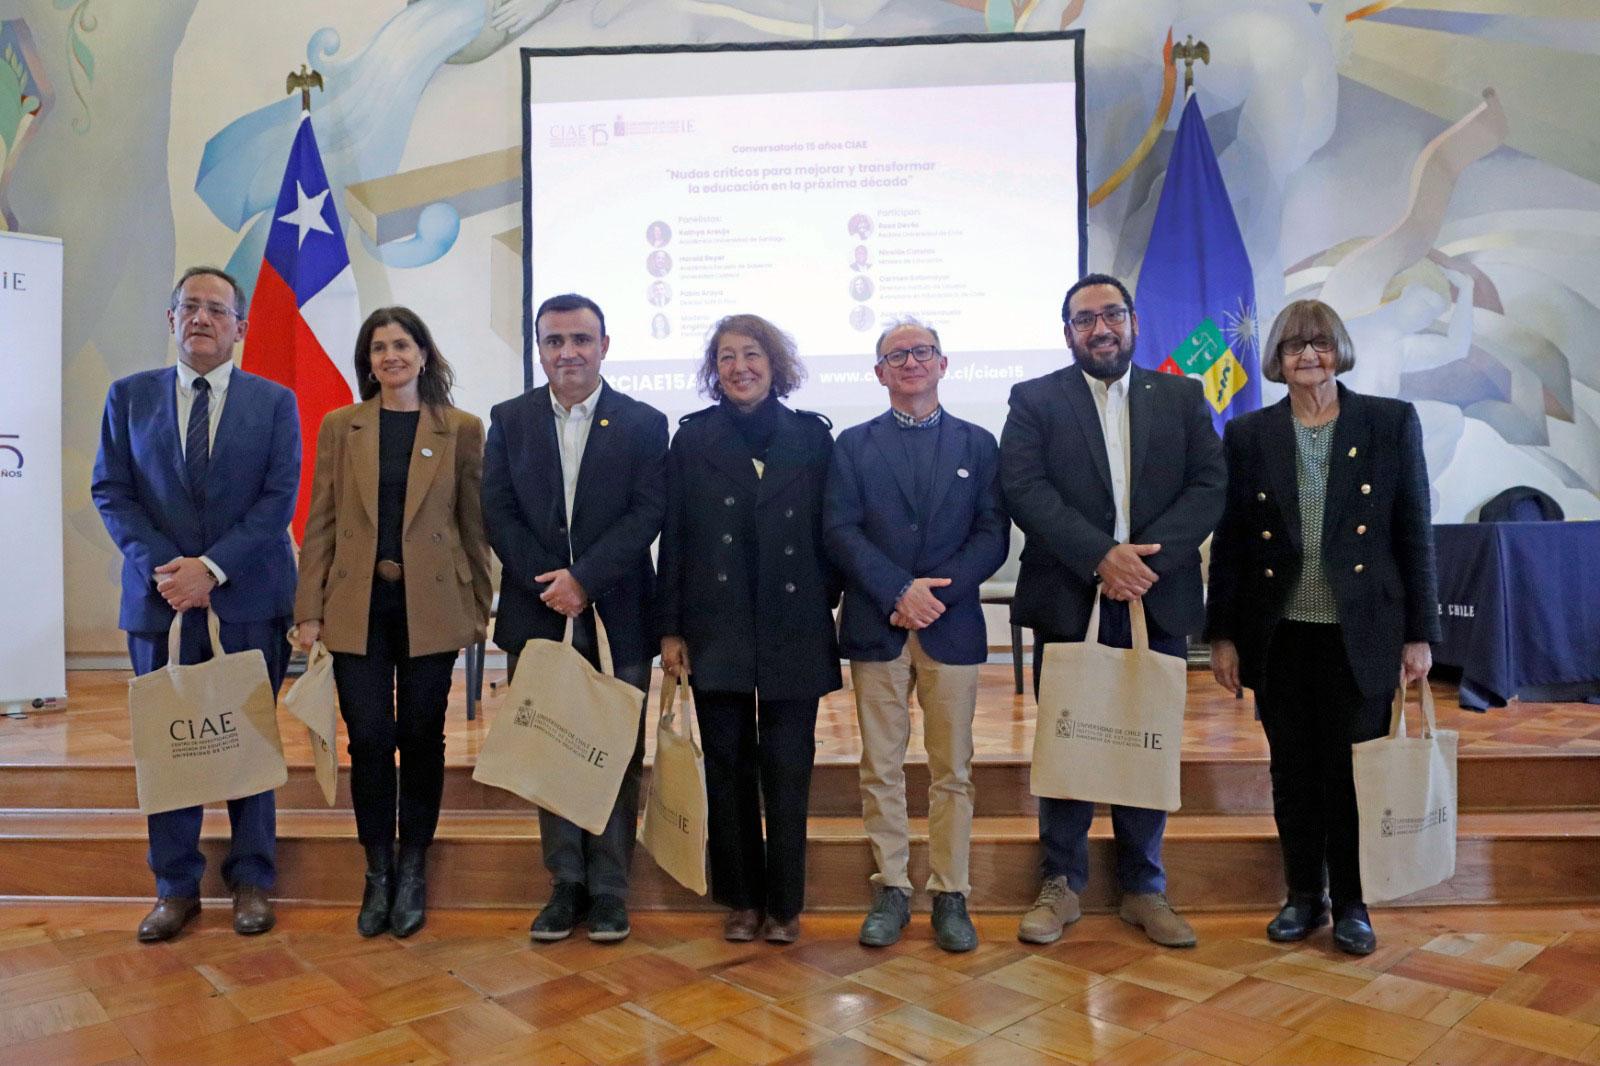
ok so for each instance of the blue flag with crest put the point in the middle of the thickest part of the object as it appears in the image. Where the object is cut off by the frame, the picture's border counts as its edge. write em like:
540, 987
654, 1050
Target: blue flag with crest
1196, 297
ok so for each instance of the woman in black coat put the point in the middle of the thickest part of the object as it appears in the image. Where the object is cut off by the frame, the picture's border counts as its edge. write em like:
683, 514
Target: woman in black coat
1323, 599
746, 600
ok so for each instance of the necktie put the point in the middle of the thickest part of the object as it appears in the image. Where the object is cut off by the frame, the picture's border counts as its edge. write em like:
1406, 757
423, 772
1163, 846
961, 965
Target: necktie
197, 439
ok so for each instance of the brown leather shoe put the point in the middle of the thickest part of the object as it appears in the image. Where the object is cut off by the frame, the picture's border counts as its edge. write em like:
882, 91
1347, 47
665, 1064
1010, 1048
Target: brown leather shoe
168, 917
252, 910
741, 926
776, 932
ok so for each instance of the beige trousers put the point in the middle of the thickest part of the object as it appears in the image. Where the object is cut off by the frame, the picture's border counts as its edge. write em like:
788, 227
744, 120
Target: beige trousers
948, 695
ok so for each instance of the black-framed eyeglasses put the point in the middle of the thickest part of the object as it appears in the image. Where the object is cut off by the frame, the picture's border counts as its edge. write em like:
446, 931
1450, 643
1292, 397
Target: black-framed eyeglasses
190, 308
1084, 321
1296, 345
921, 353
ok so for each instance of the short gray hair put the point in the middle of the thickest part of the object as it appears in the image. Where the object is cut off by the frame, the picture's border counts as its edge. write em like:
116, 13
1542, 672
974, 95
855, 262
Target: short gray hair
905, 322
1302, 320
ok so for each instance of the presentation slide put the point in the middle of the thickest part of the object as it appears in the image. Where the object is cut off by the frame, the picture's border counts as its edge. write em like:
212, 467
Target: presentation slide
857, 186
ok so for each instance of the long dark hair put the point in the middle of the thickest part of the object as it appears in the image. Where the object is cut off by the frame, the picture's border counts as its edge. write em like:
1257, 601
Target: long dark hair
436, 380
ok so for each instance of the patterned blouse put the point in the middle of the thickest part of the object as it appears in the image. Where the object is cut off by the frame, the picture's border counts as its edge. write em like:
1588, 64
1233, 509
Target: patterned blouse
1312, 599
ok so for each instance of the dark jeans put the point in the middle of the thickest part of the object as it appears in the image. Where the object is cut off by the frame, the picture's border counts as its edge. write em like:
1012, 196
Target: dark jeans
572, 854
379, 724
758, 753
175, 856
1312, 712
1064, 823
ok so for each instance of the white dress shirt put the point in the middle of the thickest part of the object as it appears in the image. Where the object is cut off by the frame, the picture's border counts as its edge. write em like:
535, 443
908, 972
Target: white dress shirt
572, 433
1111, 400
218, 380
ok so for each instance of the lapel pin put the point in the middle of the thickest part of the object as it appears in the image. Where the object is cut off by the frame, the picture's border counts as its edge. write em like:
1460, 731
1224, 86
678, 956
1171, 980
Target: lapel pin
962, 472
605, 421
427, 453
1352, 453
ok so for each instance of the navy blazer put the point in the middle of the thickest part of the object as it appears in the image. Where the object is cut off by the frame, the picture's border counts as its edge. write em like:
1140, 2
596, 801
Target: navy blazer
616, 513
141, 488
1377, 537
881, 537
775, 635
1057, 485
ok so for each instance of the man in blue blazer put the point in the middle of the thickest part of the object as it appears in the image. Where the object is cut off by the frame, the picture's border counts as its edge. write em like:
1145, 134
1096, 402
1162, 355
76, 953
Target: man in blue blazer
914, 521
1116, 476
574, 493
196, 480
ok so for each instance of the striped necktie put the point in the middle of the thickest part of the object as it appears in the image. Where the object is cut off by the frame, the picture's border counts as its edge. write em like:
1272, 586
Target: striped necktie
197, 440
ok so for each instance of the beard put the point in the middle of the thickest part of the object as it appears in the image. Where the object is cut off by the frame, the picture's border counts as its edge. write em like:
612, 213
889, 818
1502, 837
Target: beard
1105, 367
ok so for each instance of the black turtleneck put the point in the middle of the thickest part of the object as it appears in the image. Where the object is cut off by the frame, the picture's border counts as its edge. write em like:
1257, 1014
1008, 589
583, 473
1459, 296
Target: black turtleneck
757, 427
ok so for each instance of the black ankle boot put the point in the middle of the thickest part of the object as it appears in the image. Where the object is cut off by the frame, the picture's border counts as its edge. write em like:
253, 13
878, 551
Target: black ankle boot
411, 893
378, 895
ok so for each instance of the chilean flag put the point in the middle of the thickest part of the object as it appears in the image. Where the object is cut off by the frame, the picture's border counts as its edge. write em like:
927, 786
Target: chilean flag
305, 313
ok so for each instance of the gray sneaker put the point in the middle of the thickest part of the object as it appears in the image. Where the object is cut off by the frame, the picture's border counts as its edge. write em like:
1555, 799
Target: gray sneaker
952, 929
890, 913
1056, 908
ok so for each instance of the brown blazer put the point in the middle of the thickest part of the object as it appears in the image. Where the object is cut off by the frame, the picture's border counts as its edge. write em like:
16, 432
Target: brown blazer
446, 554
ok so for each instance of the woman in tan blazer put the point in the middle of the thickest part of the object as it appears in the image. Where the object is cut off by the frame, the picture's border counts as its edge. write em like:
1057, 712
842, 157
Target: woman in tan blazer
394, 580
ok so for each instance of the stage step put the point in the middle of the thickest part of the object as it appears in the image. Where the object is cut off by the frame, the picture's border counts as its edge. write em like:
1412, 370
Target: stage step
491, 858
1489, 781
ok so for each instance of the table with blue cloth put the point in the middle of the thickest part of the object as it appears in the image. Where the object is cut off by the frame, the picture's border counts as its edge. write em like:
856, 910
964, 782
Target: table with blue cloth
1519, 603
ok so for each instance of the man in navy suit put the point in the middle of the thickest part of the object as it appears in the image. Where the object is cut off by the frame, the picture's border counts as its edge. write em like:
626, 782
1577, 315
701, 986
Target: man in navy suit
914, 521
196, 480
1116, 476
574, 493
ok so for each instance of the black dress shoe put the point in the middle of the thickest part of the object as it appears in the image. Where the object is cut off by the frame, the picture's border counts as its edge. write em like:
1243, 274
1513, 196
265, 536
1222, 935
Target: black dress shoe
1352, 931
608, 918
410, 908
1299, 916
378, 894
568, 905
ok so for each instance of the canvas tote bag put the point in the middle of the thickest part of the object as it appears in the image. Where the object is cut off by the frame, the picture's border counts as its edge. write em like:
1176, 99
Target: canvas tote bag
567, 731
674, 829
1110, 725
313, 699
205, 732
1406, 796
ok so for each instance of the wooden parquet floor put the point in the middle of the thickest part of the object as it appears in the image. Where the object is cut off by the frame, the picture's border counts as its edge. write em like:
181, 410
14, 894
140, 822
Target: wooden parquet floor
1447, 986
94, 728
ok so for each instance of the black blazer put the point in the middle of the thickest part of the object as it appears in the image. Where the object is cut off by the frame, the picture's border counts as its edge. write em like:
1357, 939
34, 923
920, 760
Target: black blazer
778, 639
1057, 486
617, 513
1377, 537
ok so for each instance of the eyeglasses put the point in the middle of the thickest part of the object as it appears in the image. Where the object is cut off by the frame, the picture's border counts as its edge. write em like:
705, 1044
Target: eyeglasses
1084, 321
1296, 345
190, 308
921, 353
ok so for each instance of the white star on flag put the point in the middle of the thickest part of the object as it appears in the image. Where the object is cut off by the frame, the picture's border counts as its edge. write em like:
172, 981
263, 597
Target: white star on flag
308, 215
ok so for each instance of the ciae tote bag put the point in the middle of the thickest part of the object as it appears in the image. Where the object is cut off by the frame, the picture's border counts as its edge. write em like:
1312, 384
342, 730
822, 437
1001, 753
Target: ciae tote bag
1406, 796
566, 733
313, 698
1110, 725
674, 829
204, 732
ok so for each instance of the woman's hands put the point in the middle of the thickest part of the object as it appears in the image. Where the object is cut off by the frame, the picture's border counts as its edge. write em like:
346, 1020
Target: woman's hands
1225, 664
1416, 659
306, 634
675, 656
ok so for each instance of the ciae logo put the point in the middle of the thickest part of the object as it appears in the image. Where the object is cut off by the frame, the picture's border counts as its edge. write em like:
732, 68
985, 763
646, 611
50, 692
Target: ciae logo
10, 454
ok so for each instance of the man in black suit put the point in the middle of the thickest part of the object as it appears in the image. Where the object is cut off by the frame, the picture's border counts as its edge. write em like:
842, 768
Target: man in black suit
1116, 476
574, 492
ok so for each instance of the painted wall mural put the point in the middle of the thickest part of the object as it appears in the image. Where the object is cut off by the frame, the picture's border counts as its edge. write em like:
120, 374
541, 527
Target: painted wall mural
1431, 167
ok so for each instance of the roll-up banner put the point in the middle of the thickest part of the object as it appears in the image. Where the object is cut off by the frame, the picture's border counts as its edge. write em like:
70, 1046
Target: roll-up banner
32, 574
